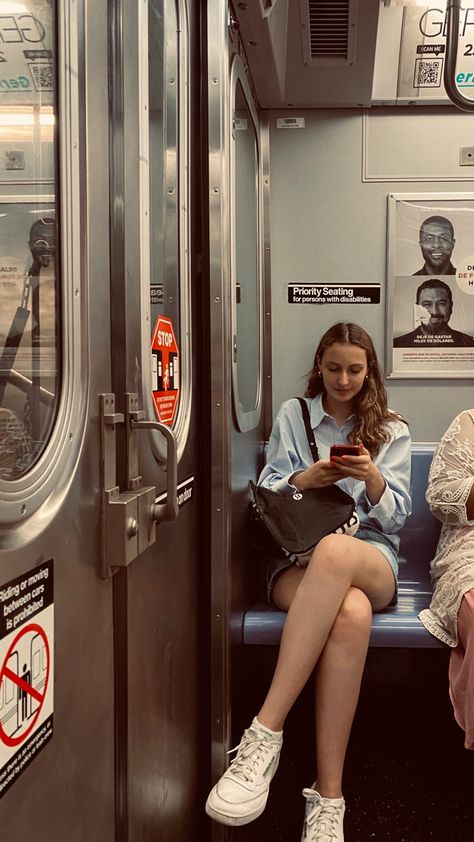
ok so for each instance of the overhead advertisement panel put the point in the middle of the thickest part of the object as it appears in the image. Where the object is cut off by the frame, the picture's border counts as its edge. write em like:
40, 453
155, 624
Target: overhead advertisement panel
26, 53
421, 30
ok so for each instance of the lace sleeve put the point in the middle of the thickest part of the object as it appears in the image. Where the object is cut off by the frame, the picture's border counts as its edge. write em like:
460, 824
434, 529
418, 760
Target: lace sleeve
452, 471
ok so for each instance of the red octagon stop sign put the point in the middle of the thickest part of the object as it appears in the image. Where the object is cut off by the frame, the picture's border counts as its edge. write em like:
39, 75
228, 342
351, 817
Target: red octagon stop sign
165, 370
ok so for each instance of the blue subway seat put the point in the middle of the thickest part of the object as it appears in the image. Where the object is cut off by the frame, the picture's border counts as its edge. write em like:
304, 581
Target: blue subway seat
397, 626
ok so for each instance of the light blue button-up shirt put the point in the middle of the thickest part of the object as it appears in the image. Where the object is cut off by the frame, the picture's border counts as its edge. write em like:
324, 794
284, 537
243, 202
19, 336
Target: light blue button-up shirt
288, 452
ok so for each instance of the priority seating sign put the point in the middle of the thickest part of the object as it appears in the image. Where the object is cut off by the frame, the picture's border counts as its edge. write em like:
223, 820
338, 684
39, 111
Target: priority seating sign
165, 370
26, 670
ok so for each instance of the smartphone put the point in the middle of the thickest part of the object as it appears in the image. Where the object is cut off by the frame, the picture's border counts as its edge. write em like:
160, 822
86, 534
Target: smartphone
344, 450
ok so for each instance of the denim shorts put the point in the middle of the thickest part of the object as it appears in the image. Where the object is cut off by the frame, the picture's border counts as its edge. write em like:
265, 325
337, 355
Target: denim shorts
364, 533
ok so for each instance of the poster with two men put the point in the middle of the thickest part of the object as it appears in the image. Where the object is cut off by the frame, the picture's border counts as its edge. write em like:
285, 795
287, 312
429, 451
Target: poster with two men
430, 301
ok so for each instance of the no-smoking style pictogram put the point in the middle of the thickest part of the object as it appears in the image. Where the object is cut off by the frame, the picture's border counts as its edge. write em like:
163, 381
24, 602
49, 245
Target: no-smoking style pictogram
26, 669
24, 678
165, 370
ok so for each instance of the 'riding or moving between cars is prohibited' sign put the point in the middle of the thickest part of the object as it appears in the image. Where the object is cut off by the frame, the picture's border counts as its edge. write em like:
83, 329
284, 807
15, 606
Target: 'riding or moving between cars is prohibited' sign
26, 670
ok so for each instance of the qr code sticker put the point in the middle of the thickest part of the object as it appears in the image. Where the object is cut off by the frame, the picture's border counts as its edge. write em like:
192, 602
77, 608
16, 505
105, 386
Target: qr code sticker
428, 73
42, 73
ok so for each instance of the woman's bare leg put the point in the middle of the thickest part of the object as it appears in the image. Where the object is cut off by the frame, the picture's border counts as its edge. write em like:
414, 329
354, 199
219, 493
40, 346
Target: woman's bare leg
461, 670
313, 597
337, 681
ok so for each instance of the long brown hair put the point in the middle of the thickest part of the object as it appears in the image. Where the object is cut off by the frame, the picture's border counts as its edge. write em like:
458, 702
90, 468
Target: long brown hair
370, 404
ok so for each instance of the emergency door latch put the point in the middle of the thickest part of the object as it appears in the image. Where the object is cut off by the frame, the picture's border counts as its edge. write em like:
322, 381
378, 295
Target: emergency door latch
129, 517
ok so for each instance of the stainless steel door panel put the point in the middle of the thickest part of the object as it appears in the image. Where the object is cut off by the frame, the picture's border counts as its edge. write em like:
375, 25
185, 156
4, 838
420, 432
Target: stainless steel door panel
67, 791
165, 687
161, 614
77, 765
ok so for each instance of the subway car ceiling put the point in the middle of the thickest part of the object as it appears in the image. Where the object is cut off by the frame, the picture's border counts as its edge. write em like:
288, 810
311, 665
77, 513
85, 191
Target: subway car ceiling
349, 53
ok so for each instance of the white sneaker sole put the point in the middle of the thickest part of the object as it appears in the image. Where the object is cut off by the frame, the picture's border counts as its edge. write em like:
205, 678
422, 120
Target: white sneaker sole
234, 821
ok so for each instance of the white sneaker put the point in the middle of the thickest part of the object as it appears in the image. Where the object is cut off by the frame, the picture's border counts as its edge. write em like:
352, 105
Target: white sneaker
323, 818
240, 795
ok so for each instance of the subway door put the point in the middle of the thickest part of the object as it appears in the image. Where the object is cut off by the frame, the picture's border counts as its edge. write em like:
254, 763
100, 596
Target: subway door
156, 358
56, 610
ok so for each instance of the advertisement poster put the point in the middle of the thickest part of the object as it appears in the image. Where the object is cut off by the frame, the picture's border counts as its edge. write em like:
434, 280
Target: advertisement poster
430, 301
26, 53
423, 52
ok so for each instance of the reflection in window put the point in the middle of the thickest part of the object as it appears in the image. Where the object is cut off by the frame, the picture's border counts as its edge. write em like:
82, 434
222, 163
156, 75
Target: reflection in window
29, 297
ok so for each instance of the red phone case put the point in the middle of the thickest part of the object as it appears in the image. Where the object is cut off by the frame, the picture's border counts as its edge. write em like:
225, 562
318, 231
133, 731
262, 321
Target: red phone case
344, 450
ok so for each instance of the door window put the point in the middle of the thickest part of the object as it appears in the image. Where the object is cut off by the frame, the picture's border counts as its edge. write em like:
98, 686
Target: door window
30, 311
43, 270
169, 343
246, 268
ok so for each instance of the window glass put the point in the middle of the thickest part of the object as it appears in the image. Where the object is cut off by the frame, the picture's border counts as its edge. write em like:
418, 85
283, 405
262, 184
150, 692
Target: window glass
30, 317
246, 269
165, 274
246, 256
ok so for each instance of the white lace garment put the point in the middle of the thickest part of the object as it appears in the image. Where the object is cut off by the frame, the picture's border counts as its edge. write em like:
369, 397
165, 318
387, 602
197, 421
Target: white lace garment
452, 569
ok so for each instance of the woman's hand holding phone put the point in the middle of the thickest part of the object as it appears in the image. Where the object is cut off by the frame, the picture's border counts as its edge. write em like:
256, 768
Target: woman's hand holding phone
353, 460
319, 475
345, 460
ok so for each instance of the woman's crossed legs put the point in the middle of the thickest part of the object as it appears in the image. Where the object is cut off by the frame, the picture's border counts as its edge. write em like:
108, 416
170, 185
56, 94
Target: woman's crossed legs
329, 604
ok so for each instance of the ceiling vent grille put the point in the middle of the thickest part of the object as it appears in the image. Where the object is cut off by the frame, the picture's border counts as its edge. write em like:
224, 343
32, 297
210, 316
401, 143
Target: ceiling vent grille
329, 31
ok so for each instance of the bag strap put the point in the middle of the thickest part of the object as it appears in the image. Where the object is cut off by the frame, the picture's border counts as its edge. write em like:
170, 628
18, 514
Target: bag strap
309, 432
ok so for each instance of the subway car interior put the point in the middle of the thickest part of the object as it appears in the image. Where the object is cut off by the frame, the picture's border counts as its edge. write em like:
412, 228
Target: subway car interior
205, 188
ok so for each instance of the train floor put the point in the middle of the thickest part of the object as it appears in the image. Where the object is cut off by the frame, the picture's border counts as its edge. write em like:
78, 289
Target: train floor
408, 777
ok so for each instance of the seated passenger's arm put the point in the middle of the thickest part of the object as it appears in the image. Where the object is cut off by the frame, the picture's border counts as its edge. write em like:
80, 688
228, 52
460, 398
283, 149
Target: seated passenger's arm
282, 454
393, 463
450, 493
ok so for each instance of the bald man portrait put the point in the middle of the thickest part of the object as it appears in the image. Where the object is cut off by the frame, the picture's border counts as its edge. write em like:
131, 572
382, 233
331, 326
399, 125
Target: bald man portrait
436, 299
437, 243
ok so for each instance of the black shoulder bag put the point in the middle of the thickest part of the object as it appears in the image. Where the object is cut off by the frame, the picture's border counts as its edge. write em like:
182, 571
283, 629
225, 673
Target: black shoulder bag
292, 524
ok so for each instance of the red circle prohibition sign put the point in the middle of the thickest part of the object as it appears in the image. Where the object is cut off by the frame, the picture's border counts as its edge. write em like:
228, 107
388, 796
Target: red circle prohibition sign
6, 673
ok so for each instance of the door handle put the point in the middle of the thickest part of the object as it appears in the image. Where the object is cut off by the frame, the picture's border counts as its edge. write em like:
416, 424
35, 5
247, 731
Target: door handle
169, 509
129, 517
